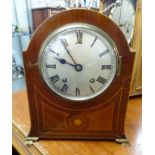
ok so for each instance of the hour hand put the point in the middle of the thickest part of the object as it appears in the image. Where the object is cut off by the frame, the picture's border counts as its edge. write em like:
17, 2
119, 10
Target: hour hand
63, 61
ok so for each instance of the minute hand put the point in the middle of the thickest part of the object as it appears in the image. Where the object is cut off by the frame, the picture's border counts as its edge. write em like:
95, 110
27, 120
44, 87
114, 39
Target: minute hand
64, 45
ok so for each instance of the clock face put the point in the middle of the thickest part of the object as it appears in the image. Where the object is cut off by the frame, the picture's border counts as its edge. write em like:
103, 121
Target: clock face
78, 61
124, 17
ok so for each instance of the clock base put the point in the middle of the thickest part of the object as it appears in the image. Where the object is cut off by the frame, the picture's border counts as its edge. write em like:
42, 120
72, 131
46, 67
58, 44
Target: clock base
121, 140
100, 118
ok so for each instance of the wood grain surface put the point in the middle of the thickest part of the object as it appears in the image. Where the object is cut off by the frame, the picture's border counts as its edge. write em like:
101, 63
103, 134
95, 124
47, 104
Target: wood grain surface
21, 127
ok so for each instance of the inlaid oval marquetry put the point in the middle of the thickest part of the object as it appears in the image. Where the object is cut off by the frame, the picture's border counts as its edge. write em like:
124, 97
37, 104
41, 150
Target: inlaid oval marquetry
79, 121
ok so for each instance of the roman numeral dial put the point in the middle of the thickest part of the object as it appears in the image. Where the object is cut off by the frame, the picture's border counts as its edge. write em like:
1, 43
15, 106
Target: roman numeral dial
79, 62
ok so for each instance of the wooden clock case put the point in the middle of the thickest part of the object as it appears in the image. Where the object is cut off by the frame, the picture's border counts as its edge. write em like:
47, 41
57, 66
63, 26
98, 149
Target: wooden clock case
99, 118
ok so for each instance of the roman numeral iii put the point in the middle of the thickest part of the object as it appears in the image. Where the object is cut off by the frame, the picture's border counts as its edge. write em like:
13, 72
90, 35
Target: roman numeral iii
106, 67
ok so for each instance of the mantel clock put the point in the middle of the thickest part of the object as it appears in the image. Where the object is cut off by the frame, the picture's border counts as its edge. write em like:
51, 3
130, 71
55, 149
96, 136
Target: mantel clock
78, 69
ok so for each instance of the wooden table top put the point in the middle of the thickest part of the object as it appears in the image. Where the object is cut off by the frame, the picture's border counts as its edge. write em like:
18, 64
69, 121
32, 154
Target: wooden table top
21, 126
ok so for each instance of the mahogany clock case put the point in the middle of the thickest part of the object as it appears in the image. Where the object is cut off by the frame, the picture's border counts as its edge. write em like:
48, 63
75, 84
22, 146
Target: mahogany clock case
55, 117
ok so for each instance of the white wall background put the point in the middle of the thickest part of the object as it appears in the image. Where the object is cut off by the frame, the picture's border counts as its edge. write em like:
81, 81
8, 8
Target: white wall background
19, 17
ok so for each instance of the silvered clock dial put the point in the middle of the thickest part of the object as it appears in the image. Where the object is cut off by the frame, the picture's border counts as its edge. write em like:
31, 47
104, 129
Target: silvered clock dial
78, 61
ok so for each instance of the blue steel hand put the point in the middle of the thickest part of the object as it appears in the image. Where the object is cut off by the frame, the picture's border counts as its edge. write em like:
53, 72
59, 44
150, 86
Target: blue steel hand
63, 61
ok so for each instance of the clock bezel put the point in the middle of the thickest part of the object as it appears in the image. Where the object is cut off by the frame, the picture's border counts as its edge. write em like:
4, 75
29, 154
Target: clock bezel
69, 27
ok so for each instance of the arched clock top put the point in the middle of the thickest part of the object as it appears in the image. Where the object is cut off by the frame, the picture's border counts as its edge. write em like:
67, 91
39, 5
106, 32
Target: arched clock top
78, 16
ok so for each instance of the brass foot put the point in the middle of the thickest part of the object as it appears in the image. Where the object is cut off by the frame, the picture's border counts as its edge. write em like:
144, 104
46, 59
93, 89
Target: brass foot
31, 140
123, 141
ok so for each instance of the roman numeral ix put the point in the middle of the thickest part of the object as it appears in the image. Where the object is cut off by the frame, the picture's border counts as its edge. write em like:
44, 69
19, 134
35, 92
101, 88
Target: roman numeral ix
50, 66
